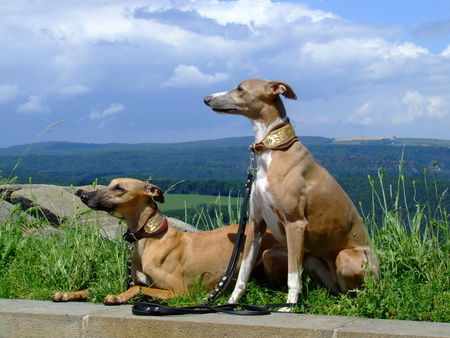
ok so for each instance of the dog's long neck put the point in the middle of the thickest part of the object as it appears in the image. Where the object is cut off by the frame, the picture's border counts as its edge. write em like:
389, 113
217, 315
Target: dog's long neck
138, 219
270, 116
261, 128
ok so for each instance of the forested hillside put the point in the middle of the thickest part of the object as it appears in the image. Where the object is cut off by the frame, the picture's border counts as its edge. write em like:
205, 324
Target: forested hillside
218, 167
226, 159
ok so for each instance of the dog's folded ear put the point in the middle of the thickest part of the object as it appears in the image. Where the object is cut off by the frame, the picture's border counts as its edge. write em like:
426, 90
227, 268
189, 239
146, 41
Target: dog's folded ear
282, 88
155, 192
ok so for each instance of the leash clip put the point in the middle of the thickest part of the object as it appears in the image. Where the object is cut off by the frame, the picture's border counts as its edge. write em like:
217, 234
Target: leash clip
251, 166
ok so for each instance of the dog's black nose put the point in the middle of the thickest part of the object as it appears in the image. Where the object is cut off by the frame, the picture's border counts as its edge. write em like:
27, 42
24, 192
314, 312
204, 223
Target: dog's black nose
84, 197
207, 99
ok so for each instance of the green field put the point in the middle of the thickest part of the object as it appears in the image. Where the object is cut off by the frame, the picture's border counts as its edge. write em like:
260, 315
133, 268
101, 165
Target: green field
204, 212
424, 142
189, 201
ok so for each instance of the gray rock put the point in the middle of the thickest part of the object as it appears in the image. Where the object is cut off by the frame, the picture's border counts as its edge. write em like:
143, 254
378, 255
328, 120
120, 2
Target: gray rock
182, 226
111, 227
5, 209
9, 211
60, 205
7, 189
55, 203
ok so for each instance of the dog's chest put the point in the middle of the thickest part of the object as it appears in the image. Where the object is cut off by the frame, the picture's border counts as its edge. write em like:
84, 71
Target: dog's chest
262, 204
140, 276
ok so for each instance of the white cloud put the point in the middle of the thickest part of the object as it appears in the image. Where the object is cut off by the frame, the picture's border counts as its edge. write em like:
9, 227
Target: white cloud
342, 50
187, 76
111, 111
74, 90
260, 12
363, 115
7, 92
279, 37
438, 107
414, 106
406, 50
446, 52
404, 108
34, 105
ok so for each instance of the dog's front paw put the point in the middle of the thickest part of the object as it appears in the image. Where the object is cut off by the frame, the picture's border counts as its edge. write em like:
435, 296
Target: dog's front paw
70, 296
114, 300
61, 297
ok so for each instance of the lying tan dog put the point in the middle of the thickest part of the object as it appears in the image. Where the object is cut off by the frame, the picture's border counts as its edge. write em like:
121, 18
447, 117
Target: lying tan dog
296, 198
168, 260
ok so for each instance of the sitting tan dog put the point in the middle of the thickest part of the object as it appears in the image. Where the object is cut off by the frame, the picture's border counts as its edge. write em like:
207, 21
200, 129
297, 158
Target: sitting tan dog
166, 262
296, 198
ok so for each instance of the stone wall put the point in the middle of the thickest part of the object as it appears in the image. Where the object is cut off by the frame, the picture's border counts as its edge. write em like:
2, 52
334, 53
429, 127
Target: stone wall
28, 318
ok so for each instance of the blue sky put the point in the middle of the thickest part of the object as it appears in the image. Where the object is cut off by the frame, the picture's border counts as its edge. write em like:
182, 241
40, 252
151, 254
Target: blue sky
137, 71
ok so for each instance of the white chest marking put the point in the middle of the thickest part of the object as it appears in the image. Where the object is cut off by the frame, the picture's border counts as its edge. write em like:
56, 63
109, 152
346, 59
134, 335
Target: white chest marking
261, 198
141, 277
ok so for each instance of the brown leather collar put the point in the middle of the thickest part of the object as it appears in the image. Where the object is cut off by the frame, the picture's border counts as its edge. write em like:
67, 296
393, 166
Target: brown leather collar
280, 137
155, 224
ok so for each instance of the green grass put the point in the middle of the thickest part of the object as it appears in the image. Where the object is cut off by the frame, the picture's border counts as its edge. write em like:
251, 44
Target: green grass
412, 245
75, 258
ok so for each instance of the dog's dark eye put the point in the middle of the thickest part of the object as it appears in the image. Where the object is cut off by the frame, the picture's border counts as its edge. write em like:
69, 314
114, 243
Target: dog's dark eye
118, 188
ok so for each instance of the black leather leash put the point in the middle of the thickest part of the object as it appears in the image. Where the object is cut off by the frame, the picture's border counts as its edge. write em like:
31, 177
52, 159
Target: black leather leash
238, 243
157, 309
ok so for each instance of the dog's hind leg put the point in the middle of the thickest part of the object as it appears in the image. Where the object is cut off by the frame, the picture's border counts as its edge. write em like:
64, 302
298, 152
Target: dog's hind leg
321, 272
71, 296
274, 262
352, 265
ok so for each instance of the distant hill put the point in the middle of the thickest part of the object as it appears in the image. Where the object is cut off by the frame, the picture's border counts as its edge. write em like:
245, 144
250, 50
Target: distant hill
68, 148
218, 167
226, 159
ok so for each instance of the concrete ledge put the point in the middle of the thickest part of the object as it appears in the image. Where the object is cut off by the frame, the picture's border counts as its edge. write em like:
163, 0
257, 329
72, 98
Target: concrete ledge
27, 318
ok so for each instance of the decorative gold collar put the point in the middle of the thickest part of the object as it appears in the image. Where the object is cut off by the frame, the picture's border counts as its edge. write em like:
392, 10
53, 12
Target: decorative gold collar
155, 224
280, 137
